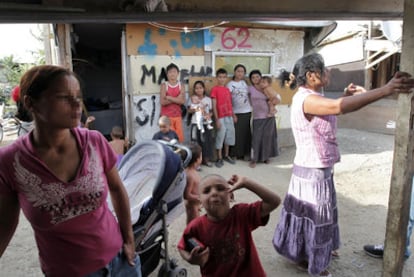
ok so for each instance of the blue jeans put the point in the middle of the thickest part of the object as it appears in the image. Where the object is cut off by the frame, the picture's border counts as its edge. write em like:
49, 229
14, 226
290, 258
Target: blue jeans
119, 267
410, 223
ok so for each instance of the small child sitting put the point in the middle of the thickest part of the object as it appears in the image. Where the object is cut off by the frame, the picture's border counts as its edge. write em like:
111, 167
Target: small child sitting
200, 113
191, 192
165, 132
119, 145
272, 96
221, 242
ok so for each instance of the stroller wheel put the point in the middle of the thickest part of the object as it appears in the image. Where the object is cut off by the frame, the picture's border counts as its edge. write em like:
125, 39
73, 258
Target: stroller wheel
173, 271
179, 272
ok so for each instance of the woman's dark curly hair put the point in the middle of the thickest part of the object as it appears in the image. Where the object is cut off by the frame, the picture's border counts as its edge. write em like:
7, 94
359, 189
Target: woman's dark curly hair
309, 63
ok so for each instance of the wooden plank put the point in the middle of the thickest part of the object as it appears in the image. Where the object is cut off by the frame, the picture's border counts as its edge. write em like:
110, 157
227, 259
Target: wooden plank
401, 179
64, 41
196, 10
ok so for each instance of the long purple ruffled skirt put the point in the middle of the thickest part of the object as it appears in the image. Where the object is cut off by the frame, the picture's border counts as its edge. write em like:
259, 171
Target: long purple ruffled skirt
308, 226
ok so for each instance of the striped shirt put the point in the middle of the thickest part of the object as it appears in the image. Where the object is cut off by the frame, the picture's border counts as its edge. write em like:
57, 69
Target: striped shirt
316, 145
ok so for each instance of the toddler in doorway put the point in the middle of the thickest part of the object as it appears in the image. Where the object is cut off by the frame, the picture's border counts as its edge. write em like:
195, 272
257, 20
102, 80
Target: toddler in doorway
118, 144
201, 114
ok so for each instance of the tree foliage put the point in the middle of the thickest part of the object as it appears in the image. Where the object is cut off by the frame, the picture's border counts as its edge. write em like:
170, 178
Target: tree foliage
12, 70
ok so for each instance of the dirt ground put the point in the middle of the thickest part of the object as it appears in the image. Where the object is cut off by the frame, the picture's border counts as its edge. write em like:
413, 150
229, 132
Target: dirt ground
362, 182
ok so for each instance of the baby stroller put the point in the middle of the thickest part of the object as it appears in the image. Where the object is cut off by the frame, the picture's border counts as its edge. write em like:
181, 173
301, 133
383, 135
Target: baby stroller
153, 175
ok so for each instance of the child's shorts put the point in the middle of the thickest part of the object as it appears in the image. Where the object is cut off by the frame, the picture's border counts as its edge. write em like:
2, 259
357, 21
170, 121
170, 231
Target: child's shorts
226, 133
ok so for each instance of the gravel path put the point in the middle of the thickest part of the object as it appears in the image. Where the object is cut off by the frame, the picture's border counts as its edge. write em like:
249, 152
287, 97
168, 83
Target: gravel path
362, 182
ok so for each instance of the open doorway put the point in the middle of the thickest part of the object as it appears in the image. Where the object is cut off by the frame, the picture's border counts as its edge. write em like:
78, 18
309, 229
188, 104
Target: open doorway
96, 57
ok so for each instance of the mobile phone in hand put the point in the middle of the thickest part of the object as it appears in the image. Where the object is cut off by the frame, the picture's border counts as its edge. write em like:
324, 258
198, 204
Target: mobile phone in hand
193, 242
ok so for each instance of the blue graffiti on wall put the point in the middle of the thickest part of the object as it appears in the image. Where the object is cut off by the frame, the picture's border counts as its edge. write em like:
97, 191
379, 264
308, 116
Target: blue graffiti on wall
174, 45
162, 32
148, 48
208, 37
190, 40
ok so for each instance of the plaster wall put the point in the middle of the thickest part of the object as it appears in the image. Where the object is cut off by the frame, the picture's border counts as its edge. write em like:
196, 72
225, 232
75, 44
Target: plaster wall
150, 50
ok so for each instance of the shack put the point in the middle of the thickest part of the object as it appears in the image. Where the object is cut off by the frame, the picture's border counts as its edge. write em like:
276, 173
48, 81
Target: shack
122, 66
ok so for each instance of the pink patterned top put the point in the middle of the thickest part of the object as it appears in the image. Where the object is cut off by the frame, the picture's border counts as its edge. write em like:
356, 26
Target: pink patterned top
75, 232
316, 145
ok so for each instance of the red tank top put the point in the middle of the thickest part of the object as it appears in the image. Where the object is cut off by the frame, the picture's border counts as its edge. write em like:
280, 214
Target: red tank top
172, 110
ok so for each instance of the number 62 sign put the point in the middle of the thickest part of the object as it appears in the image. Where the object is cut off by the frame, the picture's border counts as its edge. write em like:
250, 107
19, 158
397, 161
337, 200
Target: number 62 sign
235, 38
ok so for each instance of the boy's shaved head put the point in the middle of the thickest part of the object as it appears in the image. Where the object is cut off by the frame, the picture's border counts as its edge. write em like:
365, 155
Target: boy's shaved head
210, 178
213, 176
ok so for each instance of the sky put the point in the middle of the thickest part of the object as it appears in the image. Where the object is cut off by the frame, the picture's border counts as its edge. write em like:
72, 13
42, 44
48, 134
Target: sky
17, 40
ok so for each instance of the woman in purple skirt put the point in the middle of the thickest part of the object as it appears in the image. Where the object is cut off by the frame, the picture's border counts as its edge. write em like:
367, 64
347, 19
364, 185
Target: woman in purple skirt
264, 132
308, 232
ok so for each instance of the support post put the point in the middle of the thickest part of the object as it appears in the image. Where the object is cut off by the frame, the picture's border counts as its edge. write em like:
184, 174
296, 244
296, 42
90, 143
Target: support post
401, 179
64, 45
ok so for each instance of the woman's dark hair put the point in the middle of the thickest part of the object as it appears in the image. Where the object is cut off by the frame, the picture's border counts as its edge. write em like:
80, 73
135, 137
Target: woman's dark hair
309, 63
199, 82
22, 113
34, 82
286, 77
237, 66
39, 78
253, 72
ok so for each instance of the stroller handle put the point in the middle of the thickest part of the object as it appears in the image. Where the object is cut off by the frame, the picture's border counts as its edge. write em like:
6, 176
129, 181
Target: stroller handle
183, 151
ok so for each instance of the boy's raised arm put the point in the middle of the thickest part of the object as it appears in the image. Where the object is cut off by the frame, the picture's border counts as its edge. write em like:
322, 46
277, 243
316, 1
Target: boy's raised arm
270, 199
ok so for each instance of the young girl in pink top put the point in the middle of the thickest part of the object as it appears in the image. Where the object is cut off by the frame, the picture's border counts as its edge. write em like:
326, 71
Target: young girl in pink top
60, 177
